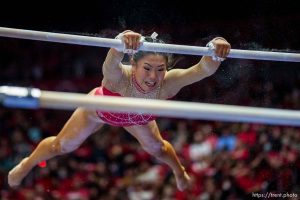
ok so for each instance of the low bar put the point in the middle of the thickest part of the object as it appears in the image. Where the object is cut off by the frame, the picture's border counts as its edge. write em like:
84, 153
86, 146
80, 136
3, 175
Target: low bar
162, 108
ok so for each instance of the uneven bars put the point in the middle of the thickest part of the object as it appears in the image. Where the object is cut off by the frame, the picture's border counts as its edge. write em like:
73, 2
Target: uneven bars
35, 98
166, 48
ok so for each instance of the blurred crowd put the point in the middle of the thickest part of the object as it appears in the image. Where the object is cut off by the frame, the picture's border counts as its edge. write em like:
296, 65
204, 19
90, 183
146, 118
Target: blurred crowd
225, 160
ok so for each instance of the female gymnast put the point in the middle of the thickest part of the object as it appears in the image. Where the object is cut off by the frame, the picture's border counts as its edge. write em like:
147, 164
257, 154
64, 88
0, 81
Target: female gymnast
146, 77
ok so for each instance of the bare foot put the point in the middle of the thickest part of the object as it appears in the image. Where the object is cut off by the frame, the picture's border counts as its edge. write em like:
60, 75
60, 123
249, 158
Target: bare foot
16, 175
182, 180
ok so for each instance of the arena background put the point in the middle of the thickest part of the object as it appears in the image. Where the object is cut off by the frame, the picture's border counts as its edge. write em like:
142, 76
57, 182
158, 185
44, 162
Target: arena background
226, 160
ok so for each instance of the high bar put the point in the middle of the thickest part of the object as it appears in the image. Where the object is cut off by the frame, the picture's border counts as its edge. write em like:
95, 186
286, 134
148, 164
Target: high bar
147, 46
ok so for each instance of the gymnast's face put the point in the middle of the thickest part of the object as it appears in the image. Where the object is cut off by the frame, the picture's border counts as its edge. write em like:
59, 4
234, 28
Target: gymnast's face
150, 71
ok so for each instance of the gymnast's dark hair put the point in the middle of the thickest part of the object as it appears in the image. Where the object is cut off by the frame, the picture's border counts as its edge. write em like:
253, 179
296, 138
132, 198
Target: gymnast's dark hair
141, 54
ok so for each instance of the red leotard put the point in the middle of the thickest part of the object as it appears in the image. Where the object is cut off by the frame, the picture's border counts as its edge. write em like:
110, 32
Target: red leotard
120, 119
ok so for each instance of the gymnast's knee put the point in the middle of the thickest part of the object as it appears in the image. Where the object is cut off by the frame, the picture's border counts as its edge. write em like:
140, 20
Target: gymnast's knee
156, 149
62, 146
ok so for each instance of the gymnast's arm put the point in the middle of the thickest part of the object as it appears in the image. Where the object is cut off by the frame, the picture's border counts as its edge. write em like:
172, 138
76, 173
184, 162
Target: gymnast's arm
112, 66
113, 70
178, 78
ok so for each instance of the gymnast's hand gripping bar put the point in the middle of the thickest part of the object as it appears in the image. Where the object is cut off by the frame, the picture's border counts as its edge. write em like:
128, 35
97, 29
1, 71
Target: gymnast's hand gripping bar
166, 48
34, 98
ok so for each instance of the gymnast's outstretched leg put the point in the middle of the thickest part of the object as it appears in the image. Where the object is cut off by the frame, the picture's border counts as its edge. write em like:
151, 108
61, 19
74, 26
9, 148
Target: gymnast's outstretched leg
81, 125
150, 138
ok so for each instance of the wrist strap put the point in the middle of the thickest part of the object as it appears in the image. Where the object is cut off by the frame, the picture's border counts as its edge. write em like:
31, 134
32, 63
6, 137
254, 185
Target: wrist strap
211, 49
123, 49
